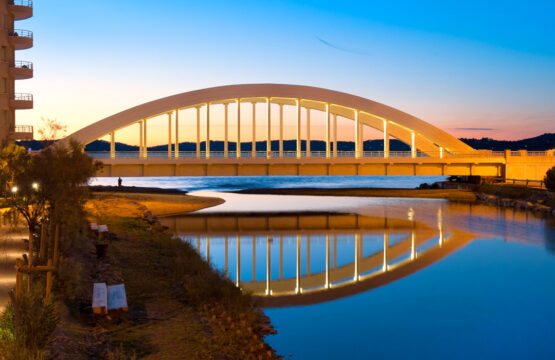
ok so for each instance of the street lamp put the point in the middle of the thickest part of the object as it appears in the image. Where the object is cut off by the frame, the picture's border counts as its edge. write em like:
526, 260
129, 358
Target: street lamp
35, 186
14, 189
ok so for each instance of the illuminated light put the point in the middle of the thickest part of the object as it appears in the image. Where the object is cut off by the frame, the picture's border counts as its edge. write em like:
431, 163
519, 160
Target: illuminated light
35, 186
14, 189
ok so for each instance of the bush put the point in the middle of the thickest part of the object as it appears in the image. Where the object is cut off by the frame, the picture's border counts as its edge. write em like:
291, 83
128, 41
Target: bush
549, 179
26, 327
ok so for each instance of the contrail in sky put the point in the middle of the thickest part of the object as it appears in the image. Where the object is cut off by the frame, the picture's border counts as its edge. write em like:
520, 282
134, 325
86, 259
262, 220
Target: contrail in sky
341, 48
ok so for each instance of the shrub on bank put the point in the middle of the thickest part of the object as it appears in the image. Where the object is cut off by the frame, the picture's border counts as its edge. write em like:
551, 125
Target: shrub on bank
549, 179
25, 326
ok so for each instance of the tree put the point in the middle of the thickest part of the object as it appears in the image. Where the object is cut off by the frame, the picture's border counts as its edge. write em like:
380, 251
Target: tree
51, 130
51, 182
549, 179
14, 160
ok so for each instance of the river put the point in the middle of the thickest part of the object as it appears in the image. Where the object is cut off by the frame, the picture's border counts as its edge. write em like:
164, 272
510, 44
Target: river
379, 278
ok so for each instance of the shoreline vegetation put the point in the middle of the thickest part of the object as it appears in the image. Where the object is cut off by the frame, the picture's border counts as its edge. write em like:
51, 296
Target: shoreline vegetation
179, 306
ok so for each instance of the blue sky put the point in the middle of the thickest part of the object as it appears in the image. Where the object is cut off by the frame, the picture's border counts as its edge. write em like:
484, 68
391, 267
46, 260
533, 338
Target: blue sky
457, 65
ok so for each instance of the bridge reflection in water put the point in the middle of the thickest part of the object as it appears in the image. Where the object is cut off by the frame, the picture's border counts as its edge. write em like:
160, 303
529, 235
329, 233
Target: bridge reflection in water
288, 259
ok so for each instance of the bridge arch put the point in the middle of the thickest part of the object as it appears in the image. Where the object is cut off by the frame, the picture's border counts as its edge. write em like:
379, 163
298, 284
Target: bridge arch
418, 134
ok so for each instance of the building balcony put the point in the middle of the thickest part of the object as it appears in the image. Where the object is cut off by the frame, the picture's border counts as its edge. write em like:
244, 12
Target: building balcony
21, 101
21, 39
22, 132
21, 70
21, 9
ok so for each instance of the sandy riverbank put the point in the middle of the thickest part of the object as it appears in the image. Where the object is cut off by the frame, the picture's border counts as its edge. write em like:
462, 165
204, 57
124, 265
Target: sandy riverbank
448, 194
134, 204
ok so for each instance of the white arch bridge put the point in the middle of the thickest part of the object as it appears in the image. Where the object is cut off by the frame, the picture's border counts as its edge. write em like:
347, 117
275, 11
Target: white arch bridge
432, 150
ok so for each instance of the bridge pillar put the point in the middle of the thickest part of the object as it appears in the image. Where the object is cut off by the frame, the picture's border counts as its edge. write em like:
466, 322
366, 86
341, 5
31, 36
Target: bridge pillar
441, 152
112, 145
169, 135
361, 139
413, 144
198, 131
385, 139
307, 132
253, 150
176, 147
141, 141
238, 151
298, 128
280, 130
269, 135
357, 135
145, 146
208, 130
328, 145
334, 135
225, 131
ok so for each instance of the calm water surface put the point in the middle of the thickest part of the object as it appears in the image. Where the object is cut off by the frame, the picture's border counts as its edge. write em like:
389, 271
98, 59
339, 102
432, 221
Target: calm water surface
382, 278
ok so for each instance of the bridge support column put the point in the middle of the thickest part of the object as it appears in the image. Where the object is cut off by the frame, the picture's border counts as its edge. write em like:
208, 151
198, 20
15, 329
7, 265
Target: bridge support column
441, 152
112, 145
198, 132
280, 130
307, 132
413, 145
334, 135
208, 130
141, 141
169, 135
298, 128
269, 139
328, 145
357, 136
176, 147
361, 139
225, 131
385, 139
253, 150
145, 146
238, 151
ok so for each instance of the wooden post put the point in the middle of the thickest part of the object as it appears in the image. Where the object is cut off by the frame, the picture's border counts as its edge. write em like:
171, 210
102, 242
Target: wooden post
30, 256
49, 279
43, 241
56, 244
18, 278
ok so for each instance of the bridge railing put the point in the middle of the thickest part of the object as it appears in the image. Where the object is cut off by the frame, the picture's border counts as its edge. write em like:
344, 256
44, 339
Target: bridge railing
315, 154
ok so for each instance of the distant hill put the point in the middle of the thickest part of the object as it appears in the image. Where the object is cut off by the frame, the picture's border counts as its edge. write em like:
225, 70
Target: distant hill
538, 143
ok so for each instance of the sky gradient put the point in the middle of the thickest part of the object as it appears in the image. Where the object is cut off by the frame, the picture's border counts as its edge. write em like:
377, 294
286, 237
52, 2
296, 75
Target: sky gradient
470, 68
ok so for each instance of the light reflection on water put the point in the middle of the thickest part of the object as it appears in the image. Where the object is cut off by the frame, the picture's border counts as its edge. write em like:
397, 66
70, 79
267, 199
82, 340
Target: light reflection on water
490, 296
